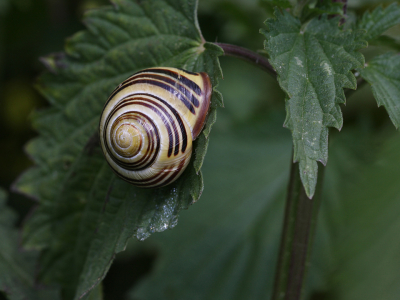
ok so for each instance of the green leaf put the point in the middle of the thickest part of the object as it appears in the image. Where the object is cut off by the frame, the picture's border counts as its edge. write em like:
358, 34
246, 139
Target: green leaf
377, 22
17, 265
307, 9
319, 7
85, 214
383, 73
228, 245
386, 41
4, 6
314, 65
278, 3
97, 293
363, 4
357, 247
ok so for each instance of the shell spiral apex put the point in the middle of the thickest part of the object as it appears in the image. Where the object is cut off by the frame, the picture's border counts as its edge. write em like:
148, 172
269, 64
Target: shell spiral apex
149, 122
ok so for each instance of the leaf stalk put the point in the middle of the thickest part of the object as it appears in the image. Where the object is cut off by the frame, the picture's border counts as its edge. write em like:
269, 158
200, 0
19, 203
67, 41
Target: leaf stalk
249, 56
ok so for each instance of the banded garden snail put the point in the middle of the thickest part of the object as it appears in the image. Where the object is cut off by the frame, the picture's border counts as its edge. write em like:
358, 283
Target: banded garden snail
149, 121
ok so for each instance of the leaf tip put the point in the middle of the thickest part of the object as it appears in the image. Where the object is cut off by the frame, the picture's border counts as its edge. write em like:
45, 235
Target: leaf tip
53, 62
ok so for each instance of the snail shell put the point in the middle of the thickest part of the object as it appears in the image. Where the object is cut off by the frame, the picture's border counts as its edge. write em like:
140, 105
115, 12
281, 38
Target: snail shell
149, 121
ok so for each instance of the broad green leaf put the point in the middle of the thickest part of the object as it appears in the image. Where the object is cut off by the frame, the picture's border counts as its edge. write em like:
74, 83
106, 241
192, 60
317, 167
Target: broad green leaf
226, 249
319, 7
279, 3
383, 73
307, 9
4, 6
97, 293
386, 41
377, 22
360, 4
17, 266
356, 254
85, 214
372, 246
314, 65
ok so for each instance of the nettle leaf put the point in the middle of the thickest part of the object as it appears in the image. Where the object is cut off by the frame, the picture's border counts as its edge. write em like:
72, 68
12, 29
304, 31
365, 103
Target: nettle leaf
17, 266
377, 22
383, 73
233, 257
319, 7
356, 251
314, 65
228, 245
386, 41
279, 3
85, 213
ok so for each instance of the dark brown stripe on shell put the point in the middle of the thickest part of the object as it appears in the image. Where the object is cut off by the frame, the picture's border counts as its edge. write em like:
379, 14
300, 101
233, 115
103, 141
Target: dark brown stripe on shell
175, 113
113, 143
176, 85
150, 155
156, 179
188, 72
179, 95
146, 156
171, 122
148, 159
181, 78
150, 146
175, 173
129, 100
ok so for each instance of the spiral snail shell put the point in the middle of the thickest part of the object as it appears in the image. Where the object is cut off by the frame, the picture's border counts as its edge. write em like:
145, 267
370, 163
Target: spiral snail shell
149, 121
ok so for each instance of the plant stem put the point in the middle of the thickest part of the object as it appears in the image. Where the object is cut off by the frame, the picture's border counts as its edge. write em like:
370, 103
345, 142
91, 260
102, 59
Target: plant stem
342, 20
247, 55
344, 5
297, 237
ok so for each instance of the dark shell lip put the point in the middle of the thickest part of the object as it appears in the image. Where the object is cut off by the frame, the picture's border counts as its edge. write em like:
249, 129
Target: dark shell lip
205, 105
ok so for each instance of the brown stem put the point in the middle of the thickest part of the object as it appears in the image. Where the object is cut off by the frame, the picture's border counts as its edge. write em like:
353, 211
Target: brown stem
297, 237
247, 55
344, 10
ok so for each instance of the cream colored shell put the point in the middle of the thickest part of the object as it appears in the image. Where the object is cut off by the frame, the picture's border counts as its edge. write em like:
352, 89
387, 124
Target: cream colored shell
149, 121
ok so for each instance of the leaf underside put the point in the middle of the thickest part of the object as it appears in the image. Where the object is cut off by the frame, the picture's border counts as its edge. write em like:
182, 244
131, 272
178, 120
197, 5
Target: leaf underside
85, 213
377, 22
316, 8
232, 254
228, 245
355, 254
383, 74
314, 65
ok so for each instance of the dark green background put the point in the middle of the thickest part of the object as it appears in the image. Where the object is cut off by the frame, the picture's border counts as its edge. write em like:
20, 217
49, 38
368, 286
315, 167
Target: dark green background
30, 29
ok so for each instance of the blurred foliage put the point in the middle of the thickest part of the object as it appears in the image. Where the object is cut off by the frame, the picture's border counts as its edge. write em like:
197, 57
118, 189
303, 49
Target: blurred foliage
382, 73
356, 250
17, 276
